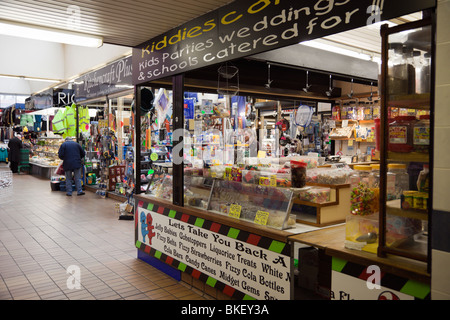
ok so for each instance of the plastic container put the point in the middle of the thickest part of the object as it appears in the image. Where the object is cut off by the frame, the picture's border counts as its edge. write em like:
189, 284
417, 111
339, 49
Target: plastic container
401, 134
351, 111
376, 110
377, 134
283, 180
376, 175
344, 112
316, 195
423, 181
401, 178
361, 233
298, 174
362, 174
251, 176
360, 109
336, 112
421, 134
368, 109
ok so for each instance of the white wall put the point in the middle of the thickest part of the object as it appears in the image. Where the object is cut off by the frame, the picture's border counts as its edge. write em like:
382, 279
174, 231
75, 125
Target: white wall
41, 59
82, 59
440, 275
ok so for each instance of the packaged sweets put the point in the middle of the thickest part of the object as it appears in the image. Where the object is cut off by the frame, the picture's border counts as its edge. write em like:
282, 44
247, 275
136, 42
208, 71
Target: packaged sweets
316, 195
401, 134
364, 200
250, 176
421, 134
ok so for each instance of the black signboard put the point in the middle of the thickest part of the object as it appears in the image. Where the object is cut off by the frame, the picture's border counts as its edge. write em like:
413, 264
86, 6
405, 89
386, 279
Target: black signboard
114, 77
247, 27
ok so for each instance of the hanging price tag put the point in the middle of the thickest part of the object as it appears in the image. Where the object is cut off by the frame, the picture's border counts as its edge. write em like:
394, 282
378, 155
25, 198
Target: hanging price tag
235, 211
261, 217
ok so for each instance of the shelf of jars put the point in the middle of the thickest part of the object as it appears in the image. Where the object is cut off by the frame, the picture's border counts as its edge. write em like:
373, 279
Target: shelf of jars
405, 154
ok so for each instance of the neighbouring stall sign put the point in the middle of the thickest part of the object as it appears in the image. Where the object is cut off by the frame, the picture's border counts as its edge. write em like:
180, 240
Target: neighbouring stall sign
247, 27
251, 269
114, 77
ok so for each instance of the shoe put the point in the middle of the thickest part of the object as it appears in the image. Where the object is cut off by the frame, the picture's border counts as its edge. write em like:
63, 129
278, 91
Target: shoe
80, 194
68, 194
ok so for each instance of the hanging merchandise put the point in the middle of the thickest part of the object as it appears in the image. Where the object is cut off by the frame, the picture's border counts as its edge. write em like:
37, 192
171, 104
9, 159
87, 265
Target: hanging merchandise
59, 123
303, 116
83, 119
283, 125
70, 119
162, 106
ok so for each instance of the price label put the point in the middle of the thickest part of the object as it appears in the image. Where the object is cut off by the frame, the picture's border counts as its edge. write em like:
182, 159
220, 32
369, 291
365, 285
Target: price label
273, 181
235, 211
261, 217
213, 174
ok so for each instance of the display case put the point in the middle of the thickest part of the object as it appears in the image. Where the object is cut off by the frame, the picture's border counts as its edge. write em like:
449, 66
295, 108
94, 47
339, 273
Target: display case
407, 144
45, 151
263, 205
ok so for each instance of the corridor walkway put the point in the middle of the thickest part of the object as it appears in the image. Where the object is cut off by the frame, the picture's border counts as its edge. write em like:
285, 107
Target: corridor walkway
42, 233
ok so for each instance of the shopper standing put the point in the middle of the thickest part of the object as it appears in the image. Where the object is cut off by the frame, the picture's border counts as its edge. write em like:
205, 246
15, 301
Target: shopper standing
14, 145
71, 153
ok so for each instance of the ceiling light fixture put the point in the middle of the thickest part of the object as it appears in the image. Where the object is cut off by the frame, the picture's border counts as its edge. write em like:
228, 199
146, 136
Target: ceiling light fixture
28, 78
47, 34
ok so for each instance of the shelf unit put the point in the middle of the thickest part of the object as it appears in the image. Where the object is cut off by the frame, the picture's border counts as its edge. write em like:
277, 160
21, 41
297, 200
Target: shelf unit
324, 214
403, 229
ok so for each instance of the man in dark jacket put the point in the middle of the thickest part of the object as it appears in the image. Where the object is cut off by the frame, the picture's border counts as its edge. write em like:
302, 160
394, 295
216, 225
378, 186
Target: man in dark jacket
71, 153
14, 145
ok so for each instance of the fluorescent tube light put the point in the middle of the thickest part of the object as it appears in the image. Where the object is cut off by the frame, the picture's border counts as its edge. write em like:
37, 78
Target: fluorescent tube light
47, 34
29, 78
335, 49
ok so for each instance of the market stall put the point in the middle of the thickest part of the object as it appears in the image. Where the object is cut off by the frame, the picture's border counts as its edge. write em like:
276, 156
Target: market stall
223, 210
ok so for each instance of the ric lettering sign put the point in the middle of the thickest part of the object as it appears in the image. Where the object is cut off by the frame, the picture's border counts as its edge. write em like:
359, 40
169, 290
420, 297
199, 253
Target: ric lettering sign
247, 27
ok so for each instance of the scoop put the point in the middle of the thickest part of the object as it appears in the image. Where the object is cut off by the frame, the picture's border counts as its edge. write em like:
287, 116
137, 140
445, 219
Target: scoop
370, 237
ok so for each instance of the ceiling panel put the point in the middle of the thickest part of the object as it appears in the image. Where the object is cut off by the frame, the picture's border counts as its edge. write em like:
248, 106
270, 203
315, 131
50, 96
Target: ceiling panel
124, 22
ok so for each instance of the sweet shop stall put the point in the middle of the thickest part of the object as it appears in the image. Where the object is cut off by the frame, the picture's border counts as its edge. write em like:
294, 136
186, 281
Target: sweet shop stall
265, 174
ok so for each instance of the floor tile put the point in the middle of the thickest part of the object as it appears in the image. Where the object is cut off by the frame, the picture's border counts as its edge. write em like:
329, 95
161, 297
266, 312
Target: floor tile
43, 232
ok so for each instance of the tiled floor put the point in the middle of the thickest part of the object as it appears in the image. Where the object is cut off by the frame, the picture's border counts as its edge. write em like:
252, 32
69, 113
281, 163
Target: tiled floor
42, 233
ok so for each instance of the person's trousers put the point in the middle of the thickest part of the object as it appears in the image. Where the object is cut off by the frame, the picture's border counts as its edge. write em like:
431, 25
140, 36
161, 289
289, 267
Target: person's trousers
77, 176
14, 166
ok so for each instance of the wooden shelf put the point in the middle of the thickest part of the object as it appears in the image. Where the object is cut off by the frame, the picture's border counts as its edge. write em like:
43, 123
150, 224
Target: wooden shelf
411, 101
393, 207
408, 156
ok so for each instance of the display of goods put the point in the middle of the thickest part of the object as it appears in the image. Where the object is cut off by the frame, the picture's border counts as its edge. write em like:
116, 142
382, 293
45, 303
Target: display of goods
401, 134
316, 195
364, 200
298, 174
250, 176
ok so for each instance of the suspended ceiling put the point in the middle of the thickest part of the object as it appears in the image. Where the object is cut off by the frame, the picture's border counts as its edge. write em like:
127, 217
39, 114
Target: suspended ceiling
120, 22
131, 22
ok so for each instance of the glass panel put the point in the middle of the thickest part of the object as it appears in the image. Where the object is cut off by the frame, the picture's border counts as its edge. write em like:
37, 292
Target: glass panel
408, 148
260, 204
156, 142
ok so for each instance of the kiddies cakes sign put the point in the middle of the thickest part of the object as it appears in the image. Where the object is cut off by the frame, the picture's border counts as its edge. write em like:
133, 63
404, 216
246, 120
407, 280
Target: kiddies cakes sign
247, 27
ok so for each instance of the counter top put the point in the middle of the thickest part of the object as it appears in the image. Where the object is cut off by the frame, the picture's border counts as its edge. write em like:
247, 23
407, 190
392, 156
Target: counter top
331, 240
279, 235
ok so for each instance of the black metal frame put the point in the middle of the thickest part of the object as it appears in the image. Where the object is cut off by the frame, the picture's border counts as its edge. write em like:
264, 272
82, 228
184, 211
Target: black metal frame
383, 250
